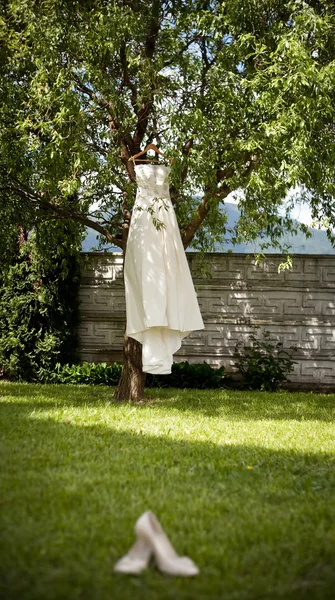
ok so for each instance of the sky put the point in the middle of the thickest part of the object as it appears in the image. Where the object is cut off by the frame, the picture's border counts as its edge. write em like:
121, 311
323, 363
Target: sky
301, 211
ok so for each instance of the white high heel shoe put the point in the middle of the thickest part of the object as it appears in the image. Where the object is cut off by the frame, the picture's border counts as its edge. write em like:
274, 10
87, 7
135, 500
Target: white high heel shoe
136, 560
149, 529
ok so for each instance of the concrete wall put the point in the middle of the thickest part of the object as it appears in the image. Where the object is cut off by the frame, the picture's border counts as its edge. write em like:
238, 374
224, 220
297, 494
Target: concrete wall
297, 307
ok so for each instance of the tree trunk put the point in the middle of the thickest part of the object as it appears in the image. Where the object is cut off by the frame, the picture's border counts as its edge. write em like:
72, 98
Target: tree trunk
132, 380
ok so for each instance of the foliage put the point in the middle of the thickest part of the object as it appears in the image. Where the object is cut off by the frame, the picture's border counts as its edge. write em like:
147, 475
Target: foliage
264, 364
242, 94
184, 375
192, 376
39, 312
88, 373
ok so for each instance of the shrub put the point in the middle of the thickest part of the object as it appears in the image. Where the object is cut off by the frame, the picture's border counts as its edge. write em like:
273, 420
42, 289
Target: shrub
39, 312
263, 365
89, 373
183, 375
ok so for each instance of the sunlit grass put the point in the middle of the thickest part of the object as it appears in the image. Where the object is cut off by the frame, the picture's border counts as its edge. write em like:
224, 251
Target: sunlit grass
243, 482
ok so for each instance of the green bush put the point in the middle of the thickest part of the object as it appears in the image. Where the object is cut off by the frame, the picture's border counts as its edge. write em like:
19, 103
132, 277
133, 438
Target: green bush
27, 342
183, 375
89, 373
264, 364
39, 308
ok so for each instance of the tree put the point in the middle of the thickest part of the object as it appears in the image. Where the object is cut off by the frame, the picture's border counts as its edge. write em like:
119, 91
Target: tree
240, 93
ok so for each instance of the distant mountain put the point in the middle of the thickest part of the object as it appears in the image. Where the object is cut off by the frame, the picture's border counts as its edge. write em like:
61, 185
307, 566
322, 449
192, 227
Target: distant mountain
317, 244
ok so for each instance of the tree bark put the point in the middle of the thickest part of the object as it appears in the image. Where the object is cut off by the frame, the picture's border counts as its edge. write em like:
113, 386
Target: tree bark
132, 380
22, 235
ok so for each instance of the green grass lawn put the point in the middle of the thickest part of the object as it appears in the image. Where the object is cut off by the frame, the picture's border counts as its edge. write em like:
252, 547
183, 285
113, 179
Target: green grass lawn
243, 482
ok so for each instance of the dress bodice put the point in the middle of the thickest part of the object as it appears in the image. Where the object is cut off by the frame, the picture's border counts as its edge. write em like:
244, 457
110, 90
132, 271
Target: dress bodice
152, 180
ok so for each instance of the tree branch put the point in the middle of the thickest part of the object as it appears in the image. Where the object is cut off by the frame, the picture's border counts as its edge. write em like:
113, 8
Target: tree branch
98, 148
149, 50
150, 42
126, 79
187, 147
102, 102
185, 47
206, 65
57, 211
202, 212
81, 87
219, 194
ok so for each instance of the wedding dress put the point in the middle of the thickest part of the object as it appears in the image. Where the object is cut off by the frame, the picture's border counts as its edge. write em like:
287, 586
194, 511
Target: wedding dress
161, 303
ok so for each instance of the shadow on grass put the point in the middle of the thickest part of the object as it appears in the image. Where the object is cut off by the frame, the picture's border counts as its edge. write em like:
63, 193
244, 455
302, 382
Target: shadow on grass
233, 404
71, 494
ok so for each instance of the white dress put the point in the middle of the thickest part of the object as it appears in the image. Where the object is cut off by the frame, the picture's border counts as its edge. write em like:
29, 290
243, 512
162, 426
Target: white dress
161, 303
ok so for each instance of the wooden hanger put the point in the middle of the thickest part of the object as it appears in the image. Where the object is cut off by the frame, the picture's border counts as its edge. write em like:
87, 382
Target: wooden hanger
150, 147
